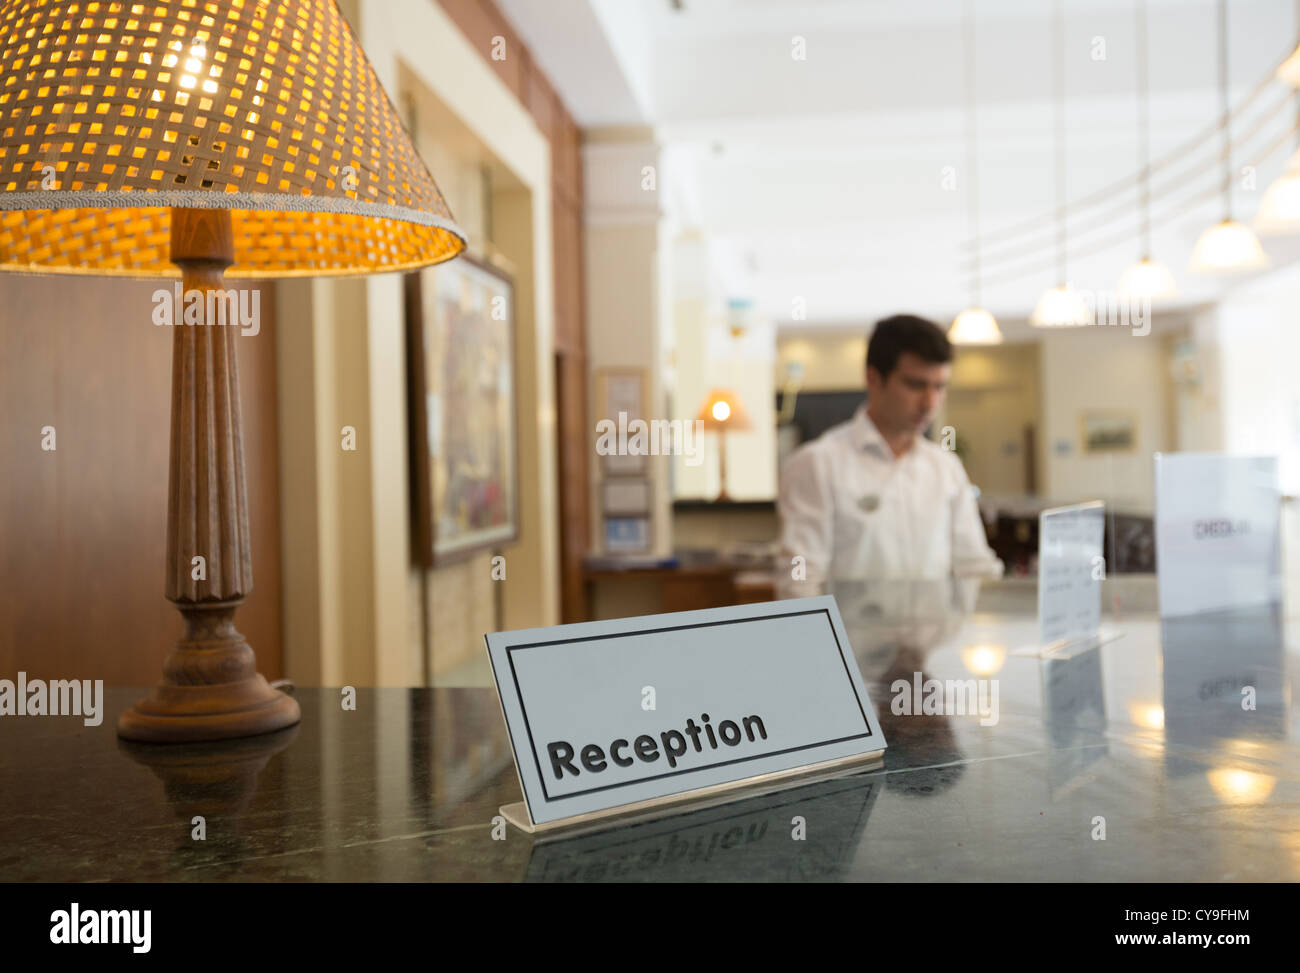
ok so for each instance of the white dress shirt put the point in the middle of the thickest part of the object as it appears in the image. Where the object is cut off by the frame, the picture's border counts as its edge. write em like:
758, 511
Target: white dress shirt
854, 511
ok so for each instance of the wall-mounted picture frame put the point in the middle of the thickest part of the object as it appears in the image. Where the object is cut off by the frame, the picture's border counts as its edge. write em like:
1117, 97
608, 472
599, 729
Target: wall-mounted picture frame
622, 390
460, 337
1108, 431
625, 496
627, 535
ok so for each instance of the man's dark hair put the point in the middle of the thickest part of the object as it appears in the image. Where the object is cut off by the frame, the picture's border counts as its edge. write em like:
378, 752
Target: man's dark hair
906, 332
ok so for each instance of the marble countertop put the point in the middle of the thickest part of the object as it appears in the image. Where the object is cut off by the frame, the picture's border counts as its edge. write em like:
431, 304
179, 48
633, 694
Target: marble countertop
1144, 739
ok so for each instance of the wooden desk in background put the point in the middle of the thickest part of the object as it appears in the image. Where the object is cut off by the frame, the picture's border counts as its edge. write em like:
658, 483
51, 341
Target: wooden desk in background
623, 592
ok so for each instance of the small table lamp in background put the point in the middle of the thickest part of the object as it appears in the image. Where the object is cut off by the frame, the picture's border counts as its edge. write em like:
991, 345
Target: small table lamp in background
722, 411
180, 138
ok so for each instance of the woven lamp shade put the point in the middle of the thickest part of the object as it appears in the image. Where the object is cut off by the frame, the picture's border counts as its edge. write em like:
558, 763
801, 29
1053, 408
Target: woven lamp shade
112, 112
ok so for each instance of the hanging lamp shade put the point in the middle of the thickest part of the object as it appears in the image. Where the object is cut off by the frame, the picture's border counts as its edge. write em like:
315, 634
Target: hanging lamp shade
1061, 307
1289, 70
1228, 247
112, 113
1147, 278
1279, 210
975, 326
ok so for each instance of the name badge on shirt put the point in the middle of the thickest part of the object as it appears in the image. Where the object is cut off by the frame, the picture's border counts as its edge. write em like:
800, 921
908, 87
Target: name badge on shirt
870, 502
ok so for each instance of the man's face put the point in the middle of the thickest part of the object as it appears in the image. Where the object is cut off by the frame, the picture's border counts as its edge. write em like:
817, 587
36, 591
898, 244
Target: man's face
909, 398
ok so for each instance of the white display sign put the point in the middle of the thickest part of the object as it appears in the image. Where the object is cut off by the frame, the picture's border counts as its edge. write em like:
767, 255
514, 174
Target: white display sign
1071, 567
630, 712
1218, 537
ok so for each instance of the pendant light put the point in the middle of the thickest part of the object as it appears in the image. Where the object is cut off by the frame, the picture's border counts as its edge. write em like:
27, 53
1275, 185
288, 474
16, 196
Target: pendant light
1279, 210
1228, 247
1289, 70
975, 325
1061, 306
1148, 278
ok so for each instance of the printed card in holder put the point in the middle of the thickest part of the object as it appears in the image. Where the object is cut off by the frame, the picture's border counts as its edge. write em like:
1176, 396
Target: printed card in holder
1071, 568
636, 717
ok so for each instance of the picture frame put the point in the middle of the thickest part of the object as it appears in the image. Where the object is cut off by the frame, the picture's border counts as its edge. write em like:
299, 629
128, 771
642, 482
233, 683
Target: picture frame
623, 496
622, 390
1108, 431
627, 535
460, 339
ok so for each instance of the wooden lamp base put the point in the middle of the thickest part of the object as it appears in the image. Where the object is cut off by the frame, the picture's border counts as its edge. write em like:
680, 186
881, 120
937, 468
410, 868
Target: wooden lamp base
211, 689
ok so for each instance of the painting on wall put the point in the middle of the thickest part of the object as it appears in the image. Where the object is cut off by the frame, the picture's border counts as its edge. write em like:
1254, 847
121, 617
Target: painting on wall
464, 461
1108, 432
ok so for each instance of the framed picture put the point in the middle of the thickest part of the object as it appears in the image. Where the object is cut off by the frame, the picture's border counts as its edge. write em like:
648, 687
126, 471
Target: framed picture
625, 496
625, 535
622, 390
1108, 431
464, 460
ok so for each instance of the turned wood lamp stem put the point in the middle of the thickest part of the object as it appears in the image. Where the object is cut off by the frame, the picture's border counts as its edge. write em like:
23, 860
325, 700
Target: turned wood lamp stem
722, 464
211, 689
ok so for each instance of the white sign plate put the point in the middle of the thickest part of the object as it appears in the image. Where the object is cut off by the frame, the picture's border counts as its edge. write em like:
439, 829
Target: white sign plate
619, 712
1070, 569
1218, 536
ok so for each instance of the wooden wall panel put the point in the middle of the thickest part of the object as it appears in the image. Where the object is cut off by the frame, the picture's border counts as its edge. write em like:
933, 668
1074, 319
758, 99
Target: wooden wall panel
83, 528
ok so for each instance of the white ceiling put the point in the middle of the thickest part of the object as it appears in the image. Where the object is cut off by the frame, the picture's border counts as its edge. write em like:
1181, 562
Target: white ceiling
823, 178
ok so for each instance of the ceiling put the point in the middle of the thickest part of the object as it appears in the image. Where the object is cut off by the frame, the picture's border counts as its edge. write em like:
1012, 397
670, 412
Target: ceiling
842, 178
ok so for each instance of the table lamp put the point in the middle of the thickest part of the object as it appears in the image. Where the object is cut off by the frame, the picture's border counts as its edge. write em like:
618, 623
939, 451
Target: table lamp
722, 410
205, 139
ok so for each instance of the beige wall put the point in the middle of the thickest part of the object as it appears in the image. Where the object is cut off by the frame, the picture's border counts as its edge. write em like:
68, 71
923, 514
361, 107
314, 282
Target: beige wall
993, 397
1109, 370
353, 604
626, 258
833, 361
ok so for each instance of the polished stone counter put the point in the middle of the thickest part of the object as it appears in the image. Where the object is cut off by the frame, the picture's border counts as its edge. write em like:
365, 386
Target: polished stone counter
1146, 734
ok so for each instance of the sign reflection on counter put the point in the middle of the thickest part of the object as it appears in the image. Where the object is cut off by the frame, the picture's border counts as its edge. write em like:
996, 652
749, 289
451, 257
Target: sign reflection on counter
741, 694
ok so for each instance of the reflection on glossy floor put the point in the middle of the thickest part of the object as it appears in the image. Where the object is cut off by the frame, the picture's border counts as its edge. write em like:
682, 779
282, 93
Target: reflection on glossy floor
1145, 737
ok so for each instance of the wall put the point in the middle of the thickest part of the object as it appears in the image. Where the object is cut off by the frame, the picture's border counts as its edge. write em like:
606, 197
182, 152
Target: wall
482, 24
84, 538
992, 398
1103, 369
1247, 400
834, 361
706, 356
626, 257
352, 612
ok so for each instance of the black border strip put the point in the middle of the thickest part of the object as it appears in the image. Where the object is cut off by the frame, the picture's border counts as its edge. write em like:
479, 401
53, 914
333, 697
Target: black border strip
514, 675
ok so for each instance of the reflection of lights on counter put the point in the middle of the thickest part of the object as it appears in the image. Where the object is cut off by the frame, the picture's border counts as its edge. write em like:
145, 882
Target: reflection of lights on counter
983, 660
1237, 786
1150, 715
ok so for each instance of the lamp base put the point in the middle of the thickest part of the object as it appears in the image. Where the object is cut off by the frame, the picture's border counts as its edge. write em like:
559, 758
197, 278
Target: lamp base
211, 689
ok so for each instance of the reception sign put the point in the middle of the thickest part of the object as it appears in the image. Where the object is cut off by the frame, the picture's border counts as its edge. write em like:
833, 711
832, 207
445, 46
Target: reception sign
632, 714
1218, 538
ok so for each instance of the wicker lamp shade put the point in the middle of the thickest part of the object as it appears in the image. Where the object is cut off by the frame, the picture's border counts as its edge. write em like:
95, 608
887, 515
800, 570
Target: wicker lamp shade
112, 113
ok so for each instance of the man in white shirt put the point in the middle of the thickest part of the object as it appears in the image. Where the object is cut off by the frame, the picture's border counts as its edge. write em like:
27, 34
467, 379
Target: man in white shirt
872, 498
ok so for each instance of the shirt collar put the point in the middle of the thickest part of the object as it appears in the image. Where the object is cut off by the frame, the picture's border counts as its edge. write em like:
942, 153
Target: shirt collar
865, 433
867, 436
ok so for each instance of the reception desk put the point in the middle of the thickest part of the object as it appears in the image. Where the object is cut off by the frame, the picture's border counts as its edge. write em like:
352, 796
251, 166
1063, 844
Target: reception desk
1135, 761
